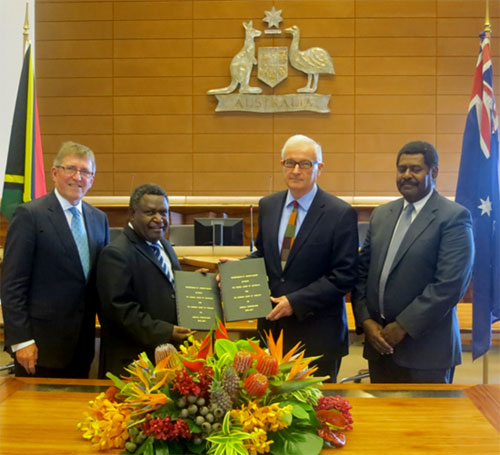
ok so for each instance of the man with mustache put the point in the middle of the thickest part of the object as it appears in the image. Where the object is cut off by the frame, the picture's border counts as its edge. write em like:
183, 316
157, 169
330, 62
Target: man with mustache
135, 282
414, 267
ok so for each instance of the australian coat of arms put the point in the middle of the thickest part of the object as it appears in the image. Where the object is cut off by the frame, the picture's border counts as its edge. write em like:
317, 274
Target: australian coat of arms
272, 68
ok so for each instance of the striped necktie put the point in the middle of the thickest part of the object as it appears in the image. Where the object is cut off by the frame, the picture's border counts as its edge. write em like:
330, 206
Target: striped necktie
81, 240
397, 238
289, 236
164, 266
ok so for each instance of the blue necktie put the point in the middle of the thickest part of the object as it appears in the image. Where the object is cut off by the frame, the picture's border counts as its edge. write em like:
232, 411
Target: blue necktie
81, 240
397, 238
166, 269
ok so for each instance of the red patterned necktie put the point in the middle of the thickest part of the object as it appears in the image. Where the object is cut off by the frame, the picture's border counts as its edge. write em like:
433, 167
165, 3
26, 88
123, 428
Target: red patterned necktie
289, 236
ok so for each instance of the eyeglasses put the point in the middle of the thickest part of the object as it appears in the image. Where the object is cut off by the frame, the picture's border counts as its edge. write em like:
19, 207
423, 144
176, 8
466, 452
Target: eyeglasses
304, 164
72, 170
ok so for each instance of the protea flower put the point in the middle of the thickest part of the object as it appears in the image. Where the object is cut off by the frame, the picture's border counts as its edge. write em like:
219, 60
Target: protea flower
256, 384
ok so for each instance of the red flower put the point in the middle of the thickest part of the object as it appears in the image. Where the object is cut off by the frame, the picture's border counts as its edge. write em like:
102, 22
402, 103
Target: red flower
267, 365
221, 331
242, 361
256, 384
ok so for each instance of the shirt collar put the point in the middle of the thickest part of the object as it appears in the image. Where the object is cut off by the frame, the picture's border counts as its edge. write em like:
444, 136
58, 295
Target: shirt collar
65, 204
305, 201
419, 205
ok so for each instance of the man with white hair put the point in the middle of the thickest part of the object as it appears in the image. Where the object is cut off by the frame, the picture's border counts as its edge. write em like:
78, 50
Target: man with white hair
309, 240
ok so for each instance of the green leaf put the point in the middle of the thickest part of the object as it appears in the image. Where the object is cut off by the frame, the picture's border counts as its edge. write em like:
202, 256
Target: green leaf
296, 443
161, 448
296, 384
176, 448
196, 448
226, 346
142, 448
301, 410
148, 447
119, 384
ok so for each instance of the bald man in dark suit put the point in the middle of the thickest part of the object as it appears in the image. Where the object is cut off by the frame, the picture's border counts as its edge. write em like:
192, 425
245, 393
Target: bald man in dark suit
308, 279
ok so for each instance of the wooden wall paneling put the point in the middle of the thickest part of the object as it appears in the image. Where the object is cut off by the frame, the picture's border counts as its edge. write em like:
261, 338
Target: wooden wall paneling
72, 49
154, 143
174, 183
152, 86
152, 10
152, 48
129, 78
153, 105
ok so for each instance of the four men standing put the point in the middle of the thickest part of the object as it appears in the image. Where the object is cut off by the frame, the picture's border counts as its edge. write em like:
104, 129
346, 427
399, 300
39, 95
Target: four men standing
414, 267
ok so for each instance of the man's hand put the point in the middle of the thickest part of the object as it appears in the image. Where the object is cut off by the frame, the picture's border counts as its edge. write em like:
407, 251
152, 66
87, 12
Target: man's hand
373, 334
393, 333
281, 310
27, 357
222, 260
180, 333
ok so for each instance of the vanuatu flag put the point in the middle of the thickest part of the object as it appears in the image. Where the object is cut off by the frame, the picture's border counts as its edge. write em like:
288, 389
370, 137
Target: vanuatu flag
24, 175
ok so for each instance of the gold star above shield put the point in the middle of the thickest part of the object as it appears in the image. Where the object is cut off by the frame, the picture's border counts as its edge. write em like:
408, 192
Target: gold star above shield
273, 18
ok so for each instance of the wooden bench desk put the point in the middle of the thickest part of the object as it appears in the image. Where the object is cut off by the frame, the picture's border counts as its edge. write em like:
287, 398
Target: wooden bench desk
40, 416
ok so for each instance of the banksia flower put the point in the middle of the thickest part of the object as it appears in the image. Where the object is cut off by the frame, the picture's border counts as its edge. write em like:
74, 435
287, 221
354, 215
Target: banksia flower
165, 350
256, 384
267, 365
242, 361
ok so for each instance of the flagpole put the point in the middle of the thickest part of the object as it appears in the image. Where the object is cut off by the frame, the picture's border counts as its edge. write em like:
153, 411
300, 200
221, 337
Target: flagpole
486, 360
26, 28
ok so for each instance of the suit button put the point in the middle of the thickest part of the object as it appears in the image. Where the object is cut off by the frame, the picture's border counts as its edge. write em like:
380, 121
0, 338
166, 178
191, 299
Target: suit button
282, 280
172, 296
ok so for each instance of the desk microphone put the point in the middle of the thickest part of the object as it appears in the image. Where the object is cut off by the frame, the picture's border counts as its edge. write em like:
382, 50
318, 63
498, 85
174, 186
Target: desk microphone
251, 229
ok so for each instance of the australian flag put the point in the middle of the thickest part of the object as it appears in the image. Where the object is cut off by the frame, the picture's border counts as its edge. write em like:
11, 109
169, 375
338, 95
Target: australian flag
478, 190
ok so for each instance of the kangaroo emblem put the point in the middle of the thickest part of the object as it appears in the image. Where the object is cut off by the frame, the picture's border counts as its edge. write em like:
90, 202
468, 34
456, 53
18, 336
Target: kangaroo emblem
241, 65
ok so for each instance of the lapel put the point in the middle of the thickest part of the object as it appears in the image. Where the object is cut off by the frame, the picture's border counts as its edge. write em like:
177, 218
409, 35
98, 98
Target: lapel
388, 225
419, 225
143, 248
58, 220
314, 214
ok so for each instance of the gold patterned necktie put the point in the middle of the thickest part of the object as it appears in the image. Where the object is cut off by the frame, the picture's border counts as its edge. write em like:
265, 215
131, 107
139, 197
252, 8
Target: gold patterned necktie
289, 236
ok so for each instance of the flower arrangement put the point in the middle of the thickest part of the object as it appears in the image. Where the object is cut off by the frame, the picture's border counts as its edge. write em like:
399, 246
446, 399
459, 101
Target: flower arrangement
221, 397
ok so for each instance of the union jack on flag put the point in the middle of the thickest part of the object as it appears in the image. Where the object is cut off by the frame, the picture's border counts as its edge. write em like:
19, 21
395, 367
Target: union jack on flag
478, 190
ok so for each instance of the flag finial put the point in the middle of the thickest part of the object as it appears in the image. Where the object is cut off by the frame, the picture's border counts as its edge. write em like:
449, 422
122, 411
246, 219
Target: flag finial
487, 24
26, 27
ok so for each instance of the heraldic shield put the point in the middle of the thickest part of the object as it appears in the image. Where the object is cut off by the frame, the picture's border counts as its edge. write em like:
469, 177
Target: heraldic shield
272, 65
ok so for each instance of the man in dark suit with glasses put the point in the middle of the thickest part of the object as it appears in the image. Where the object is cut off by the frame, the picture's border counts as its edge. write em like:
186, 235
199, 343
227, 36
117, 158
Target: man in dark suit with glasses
309, 240
48, 291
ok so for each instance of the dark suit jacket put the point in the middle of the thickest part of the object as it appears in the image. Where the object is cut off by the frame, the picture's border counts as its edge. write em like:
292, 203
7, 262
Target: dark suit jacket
138, 309
429, 275
45, 295
320, 270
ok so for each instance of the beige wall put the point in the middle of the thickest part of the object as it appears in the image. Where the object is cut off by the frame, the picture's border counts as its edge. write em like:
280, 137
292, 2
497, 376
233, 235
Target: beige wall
129, 79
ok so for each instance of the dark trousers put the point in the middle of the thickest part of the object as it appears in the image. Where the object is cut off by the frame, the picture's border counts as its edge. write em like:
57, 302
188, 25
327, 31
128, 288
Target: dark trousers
328, 368
385, 370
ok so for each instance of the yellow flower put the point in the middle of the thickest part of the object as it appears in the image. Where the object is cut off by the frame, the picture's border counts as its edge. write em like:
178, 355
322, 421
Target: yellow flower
266, 418
106, 424
258, 443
